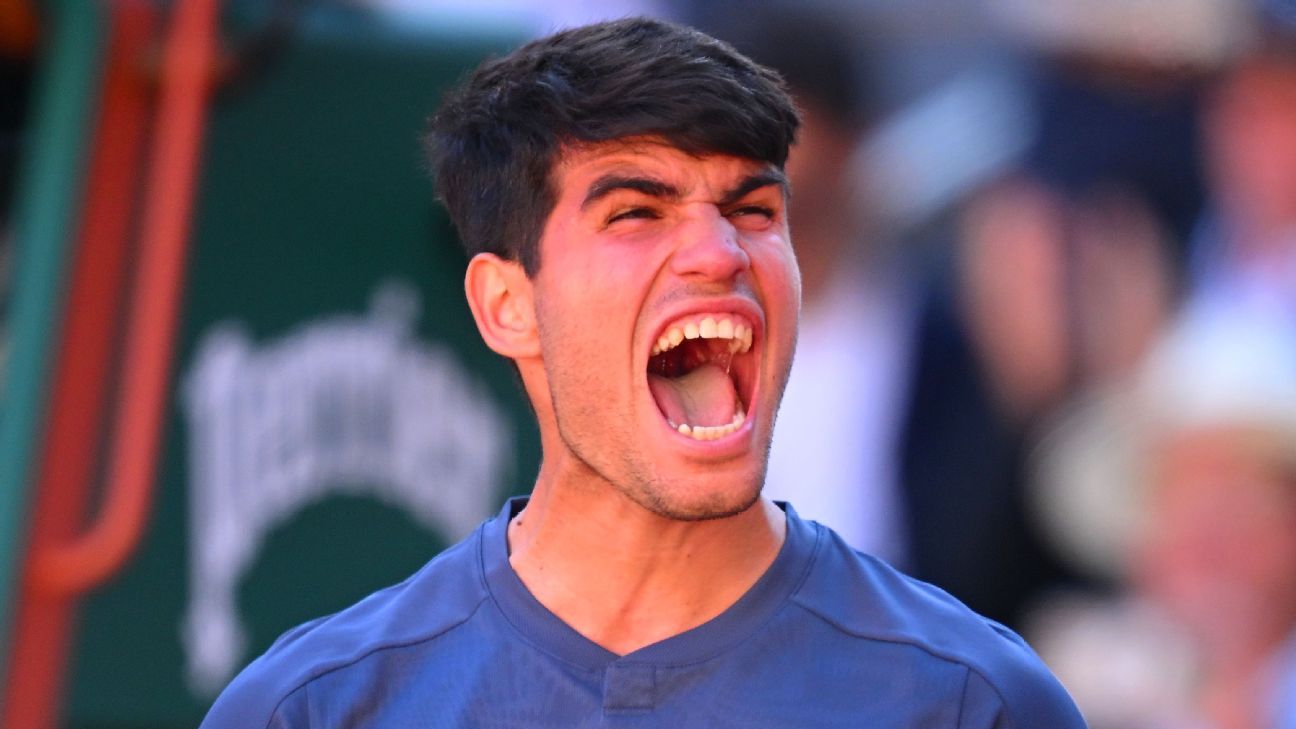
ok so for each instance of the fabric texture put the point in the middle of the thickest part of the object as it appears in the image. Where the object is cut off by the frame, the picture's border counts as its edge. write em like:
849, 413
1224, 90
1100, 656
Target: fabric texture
827, 637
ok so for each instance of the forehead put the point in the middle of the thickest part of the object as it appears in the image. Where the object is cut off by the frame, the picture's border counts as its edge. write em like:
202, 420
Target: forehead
580, 165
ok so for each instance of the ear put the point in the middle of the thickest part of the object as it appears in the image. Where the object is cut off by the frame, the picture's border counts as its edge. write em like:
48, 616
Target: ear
500, 296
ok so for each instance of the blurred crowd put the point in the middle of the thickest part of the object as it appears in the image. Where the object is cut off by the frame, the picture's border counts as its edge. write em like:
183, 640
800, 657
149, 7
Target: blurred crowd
1048, 342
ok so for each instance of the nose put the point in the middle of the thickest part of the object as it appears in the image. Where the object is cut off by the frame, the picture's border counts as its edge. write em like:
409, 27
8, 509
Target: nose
709, 249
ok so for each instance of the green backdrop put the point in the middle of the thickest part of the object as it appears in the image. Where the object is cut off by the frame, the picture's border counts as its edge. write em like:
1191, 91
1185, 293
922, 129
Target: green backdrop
314, 205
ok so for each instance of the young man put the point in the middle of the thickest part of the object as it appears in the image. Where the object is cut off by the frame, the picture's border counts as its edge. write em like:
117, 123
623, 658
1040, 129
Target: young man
620, 187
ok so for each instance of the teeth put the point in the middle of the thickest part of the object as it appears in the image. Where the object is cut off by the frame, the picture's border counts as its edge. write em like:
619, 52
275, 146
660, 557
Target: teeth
738, 334
741, 338
711, 432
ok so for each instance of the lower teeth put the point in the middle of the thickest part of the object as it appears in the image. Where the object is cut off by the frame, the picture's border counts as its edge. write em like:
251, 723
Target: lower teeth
711, 432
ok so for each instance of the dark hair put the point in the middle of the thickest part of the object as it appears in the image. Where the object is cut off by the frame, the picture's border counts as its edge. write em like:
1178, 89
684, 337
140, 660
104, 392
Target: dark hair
495, 139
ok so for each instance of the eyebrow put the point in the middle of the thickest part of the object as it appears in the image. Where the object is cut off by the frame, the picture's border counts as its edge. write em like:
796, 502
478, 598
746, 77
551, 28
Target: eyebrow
610, 183
751, 183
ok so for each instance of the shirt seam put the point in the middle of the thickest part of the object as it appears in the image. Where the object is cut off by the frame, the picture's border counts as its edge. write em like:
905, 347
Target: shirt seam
279, 705
971, 669
967, 682
305, 689
481, 559
376, 649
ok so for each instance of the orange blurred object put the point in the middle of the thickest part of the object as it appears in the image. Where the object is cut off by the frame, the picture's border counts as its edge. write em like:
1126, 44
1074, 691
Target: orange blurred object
188, 61
84, 368
62, 563
19, 28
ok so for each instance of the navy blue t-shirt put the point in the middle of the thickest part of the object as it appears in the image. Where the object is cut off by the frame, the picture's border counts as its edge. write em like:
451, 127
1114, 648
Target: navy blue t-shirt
827, 637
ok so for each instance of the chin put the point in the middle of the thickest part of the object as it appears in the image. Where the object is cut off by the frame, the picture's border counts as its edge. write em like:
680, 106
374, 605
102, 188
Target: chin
699, 499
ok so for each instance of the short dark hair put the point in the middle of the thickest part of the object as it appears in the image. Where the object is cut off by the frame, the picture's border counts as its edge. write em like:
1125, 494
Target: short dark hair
494, 141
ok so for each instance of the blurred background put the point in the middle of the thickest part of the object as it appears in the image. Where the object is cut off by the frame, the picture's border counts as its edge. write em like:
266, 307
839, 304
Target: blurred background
1047, 358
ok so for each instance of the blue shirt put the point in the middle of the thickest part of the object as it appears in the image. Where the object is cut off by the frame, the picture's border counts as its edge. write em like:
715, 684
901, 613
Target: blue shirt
827, 637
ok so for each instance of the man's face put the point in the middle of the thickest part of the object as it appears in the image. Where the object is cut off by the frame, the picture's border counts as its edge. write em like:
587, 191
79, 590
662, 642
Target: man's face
666, 304
1219, 550
1251, 144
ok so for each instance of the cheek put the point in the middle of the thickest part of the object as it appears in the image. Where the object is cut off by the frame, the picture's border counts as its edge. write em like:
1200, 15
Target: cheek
775, 266
565, 319
586, 309
570, 357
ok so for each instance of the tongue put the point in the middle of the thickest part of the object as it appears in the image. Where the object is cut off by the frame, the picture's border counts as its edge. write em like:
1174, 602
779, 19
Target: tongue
704, 396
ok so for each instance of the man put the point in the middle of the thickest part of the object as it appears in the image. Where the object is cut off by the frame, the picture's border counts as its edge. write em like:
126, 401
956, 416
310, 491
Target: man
621, 189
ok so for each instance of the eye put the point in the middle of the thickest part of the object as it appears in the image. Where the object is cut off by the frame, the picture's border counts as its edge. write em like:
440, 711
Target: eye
633, 214
760, 212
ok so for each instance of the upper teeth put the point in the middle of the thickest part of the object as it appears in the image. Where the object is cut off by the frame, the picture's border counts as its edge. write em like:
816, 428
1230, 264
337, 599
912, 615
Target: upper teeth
737, 332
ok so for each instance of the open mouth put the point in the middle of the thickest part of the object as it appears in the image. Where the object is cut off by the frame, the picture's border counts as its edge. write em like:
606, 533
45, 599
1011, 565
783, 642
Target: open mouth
699, 372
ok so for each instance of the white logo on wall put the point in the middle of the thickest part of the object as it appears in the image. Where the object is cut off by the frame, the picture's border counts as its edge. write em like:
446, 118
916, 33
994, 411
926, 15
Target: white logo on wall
348, 404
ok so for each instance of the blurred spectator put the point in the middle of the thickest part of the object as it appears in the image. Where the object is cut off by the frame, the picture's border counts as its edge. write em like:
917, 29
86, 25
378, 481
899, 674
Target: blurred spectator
1115, 87
1193, 474
1184, 486
1095, 220
1060, 291
1248, 240
1064, 273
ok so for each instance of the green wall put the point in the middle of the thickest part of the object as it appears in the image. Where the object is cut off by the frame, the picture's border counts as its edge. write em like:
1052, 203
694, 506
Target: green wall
314, 201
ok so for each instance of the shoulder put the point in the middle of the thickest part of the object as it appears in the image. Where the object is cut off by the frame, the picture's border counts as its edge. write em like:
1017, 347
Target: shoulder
867, 599
442, 595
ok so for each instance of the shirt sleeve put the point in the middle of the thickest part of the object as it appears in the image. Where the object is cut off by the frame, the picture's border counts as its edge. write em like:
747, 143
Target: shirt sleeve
1032, 701
248, 704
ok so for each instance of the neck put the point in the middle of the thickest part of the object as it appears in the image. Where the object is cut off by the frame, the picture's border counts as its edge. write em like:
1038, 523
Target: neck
625, 577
